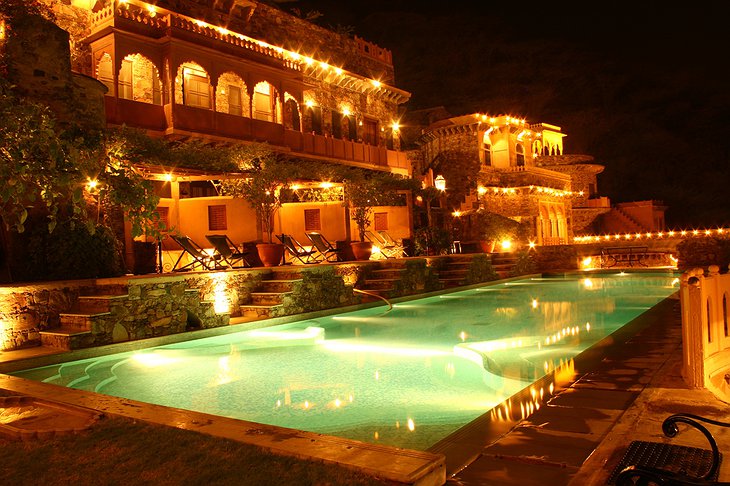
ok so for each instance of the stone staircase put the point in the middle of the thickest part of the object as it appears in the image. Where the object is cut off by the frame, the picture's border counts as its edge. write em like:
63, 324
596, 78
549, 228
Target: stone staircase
381, 282
503, 263
454, 273
78, 325
269, 296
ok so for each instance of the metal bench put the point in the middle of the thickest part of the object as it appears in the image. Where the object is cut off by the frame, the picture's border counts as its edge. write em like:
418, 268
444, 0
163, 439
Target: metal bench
646, 463
629, 255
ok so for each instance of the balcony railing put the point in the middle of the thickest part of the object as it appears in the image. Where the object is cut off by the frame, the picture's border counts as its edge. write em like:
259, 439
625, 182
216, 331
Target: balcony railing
173, 118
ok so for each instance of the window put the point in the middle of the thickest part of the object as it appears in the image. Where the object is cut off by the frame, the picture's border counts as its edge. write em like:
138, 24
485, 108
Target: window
196, 89
312, 220
380, 221
370, 132
217, 218
349, 128
263, 102
315, 116
336, 124
520, 155
125, 80
487, 154
291, 115
164, 214
235, 107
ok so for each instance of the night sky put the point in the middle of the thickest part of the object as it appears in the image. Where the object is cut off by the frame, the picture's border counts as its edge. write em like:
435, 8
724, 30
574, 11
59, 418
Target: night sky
642, 86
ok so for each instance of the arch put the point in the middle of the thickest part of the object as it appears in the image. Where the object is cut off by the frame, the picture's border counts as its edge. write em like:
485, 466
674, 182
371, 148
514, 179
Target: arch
313, 119
265, 98
105, 72
545, 228
553, 222
231, 95
139, 80
292, 117
519, 155
192, 86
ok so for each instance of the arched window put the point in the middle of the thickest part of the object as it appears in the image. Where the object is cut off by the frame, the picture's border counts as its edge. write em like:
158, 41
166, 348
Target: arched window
264, 102
139, 80
192, 86
519, 155
105, 72
291, 115
231, 95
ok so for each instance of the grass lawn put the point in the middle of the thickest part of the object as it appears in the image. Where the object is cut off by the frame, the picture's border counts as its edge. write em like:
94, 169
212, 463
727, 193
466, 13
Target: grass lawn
124, 452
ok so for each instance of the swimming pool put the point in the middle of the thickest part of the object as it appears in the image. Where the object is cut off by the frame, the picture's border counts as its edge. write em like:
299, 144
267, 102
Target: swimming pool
408, 377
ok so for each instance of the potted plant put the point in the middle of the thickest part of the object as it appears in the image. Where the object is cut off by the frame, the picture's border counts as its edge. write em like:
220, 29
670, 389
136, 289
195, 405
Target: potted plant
362, 192
492, 228
265, 174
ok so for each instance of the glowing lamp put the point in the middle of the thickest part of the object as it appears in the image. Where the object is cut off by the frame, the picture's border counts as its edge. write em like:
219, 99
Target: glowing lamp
440, 183
506, 245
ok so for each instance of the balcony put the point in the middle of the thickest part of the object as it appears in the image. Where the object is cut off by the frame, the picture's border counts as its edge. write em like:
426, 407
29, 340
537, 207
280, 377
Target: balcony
174, 119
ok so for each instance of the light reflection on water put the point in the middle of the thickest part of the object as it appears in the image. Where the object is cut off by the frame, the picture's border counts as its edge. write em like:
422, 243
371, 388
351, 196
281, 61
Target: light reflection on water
408, 377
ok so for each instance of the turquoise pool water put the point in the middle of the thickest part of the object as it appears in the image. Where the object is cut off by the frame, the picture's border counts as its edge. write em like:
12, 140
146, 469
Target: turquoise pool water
408, 377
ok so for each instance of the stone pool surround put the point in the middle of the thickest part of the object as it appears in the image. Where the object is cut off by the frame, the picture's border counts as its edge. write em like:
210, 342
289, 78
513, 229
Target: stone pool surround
402, 466
140, 307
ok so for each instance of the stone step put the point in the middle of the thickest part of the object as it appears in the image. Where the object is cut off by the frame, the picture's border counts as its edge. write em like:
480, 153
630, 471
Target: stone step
268, 298
79, 322
260, 311
392, 273
451, 282
67, 339
277, 285
461, 273
382, 283
95, 304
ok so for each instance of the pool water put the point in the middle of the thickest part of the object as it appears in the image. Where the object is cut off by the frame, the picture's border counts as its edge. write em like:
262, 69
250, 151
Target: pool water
407, 377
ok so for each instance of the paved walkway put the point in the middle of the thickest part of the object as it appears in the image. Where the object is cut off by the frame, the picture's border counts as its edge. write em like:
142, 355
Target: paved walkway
583, 432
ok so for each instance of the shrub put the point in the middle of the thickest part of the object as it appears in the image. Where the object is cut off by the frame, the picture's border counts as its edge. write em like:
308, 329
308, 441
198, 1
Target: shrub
703, 251
69, 252
432, 241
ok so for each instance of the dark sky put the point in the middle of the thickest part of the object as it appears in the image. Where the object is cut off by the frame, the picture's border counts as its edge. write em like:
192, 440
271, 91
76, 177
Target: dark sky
641, 86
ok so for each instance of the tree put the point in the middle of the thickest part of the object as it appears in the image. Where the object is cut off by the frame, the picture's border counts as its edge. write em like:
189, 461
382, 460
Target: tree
264, 173
363, 191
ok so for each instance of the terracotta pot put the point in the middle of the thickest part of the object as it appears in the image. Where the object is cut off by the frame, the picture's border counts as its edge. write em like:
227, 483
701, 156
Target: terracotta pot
270, 254
362, 249
487, 246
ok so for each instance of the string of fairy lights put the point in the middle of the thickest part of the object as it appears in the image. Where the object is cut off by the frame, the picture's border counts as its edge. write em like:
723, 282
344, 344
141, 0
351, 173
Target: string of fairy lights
723, 232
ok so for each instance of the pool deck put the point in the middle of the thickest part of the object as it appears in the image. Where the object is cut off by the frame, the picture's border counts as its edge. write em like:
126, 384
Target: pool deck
574, 439
582, 433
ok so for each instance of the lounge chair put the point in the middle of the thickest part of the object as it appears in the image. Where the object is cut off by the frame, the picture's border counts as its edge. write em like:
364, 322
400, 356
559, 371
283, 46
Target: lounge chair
382, 246
392, 243
196, 252
671, 464
324, 247
228, 251
296, 250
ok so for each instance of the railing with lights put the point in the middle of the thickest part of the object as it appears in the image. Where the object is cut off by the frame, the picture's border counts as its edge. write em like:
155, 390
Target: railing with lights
651, 235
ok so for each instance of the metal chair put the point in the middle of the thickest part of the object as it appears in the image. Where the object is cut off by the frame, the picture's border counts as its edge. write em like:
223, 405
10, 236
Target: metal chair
324, 247
298, 251
228, 251
196, 252
382, 246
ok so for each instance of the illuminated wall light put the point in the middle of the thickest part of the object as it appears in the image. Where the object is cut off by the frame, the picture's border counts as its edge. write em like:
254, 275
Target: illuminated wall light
695, 232
168, 177
506, 245
151, 10
338, 71
456, 214
308, 60
346, 111
325, 185
92, 184
375, 83
411, 425
395, 126
586, 262
534, 303
532, 245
